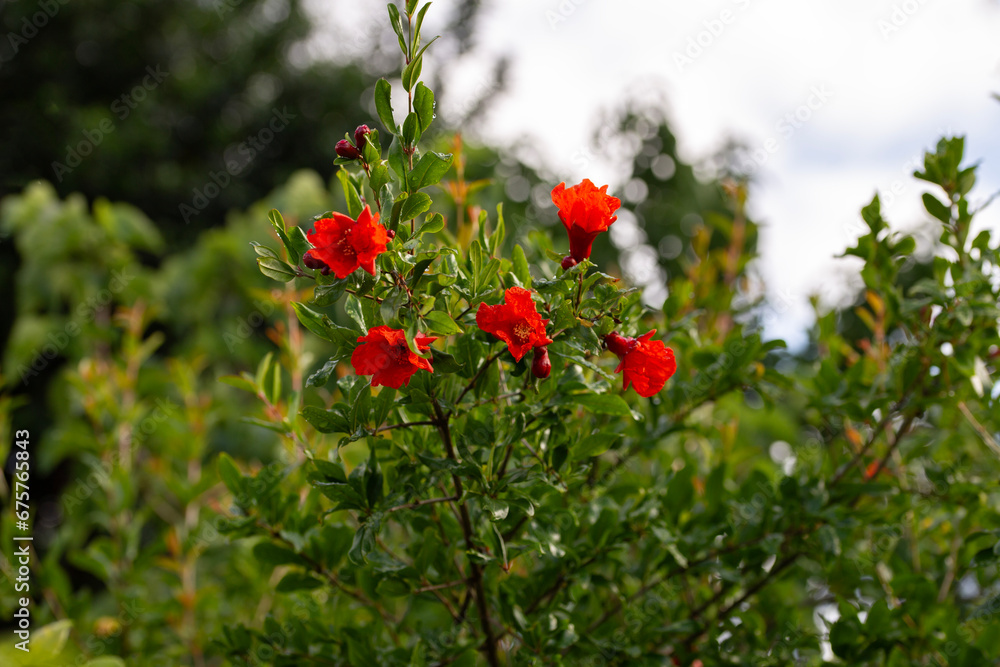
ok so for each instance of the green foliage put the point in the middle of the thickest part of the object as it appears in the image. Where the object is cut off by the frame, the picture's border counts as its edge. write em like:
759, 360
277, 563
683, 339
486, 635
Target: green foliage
496, 517
238, 494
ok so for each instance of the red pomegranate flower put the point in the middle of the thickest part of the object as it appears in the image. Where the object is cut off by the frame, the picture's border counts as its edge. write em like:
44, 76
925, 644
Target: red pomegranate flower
644, 363
516, 322
342, 244
385, 356
585, 211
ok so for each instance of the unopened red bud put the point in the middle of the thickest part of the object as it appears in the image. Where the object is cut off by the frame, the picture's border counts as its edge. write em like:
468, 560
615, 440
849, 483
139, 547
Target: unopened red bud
359, 136
541, 367
347, 150
568, 262
617, 343
390, 233
315, 263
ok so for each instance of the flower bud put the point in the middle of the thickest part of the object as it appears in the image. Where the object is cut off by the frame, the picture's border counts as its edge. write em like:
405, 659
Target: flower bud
315, 263
359, 136
568, 262
541, 367
618, 344
390, 233
346, 150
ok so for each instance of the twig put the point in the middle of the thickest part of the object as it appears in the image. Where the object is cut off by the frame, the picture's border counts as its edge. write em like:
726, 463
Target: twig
472, 382
390, 427
476, 572
980, 429
417, 503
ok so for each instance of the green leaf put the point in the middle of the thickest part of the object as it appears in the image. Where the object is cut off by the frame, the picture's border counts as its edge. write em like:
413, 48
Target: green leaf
319, 324
429, 170
297, 581
322, 376
353, 307
106, 661
411, 130
383, 104
411, 73
274, 215
498, 509
594, 445
354, 206
325, 421
296, 244
497, 237
263, 250
397, 27
433, 224
414, 205
271, 555
391, 307
230, 474
936, 208
275, 269
521, 269
423, 106
383, 405
602, 404
239, 382
441, 323
379, 177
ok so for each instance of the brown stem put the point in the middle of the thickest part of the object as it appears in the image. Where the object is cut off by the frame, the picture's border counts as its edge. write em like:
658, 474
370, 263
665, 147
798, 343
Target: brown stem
472, 382
390, 427
476, 572
417, 503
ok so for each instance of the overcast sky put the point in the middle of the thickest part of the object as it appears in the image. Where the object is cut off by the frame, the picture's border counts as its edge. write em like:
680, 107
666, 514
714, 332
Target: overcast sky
872, 82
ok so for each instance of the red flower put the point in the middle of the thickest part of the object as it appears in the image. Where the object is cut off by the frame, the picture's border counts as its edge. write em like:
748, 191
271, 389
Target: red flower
343, 244
516, 322
644, 363
385, 356
585, 211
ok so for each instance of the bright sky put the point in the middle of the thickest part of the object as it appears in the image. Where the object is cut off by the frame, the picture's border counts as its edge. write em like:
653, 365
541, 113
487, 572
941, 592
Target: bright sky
874, 82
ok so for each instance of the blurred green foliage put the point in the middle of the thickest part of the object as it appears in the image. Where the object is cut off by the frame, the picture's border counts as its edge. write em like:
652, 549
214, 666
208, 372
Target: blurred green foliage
716, 522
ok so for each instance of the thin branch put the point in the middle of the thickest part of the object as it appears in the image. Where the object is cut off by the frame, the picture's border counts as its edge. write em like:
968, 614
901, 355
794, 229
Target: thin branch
437, 587
476, 572
417, 503
980, 429
475, 379
390, 427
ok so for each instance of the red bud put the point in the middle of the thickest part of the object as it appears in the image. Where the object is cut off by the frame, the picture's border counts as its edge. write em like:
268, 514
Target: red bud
346, 150
618, 344
315, 263
390, 233
568, 262
541, 367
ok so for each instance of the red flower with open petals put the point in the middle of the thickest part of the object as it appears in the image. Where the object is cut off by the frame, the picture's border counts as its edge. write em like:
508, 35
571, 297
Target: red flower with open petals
385, 356
342, 244
645, 364
585, 211
516, 322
